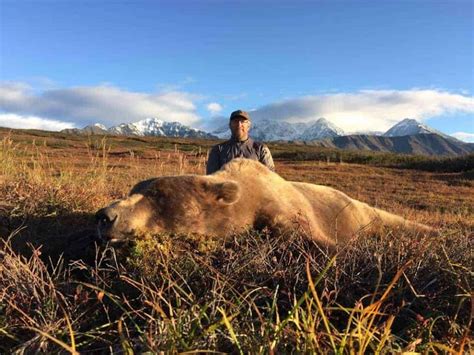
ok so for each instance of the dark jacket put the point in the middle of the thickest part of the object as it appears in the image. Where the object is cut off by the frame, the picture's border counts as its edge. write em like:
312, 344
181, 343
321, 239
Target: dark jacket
223, 153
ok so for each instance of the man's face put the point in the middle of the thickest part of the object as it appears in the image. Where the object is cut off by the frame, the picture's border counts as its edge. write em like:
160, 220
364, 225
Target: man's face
240, 128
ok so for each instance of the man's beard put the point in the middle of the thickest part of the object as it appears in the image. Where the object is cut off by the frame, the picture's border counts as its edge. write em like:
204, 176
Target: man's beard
240, 135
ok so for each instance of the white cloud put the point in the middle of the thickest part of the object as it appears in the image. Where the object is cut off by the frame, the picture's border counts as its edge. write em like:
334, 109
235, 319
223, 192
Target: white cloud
464, 136
105, 103
214, 108
364, 110
375, 110
12, 120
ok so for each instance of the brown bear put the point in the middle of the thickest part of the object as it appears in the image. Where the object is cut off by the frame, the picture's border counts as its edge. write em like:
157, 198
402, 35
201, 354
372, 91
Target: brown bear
244, 194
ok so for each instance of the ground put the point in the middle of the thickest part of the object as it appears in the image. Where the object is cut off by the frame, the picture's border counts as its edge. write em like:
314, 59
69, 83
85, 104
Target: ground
256, 291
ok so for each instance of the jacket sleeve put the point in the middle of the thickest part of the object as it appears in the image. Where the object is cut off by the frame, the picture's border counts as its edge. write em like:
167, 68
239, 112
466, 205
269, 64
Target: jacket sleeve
266, 158
213, 163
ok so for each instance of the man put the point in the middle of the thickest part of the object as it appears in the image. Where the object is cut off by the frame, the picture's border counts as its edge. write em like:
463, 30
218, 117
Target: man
240, 145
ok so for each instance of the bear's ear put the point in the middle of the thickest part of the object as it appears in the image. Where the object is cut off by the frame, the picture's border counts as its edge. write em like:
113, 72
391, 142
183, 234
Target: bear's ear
227, 192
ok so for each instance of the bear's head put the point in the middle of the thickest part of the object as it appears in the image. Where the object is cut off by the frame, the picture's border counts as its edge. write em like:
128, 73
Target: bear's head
174, 204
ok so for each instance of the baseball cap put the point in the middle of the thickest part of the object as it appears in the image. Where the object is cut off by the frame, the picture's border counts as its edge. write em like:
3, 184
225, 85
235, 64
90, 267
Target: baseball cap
239, 113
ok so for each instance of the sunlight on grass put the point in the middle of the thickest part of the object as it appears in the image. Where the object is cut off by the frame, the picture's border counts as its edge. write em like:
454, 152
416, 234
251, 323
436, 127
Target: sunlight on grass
60, 291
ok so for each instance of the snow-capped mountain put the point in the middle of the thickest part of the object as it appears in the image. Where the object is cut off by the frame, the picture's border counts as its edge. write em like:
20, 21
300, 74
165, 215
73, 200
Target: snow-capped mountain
320, 129
158, 128
267, 130
146, 127
410, 127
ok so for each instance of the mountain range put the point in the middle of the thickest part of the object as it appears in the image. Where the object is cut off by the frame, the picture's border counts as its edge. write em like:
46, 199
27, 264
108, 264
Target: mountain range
407, 136
147, 127
267, 130
421, 144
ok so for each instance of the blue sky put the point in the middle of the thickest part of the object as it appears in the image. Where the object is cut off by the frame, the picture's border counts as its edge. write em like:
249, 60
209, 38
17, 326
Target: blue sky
361, 64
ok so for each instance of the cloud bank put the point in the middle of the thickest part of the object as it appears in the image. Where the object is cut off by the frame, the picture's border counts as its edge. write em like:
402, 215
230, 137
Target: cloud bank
365, 110
12, 120
214, 108
104, 103
375, 110
464, 136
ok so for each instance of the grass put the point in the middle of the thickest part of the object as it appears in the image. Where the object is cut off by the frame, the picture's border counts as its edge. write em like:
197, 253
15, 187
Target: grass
254, 292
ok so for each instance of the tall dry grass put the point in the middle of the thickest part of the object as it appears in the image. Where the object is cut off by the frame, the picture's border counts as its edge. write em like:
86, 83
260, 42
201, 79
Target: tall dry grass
62, 292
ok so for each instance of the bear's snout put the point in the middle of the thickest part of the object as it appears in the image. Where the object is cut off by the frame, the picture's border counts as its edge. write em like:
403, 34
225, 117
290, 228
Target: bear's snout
105, 218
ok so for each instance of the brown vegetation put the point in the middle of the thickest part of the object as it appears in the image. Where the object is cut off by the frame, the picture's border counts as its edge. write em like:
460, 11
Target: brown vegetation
255, 292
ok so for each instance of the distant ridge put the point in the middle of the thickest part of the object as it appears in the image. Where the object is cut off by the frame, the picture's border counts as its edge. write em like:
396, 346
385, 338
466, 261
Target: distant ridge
425, 144
96, 128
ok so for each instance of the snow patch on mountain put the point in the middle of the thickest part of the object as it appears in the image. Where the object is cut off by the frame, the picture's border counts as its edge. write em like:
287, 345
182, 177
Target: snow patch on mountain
99, 125
267, 130
321, 129
146, 127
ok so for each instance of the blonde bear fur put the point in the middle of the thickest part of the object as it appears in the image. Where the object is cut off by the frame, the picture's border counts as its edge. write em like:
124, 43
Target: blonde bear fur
243, 195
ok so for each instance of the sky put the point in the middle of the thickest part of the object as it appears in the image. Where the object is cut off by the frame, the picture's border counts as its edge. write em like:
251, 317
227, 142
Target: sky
363, 65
